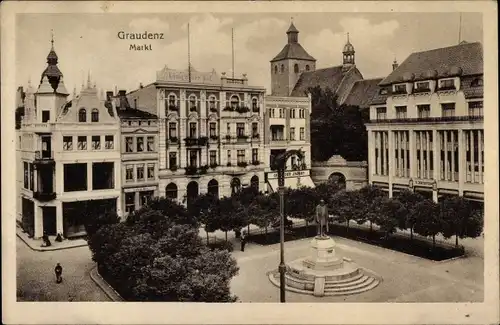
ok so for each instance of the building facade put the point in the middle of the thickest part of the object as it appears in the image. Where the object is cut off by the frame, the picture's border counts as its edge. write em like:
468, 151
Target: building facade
426, 130
69, 154
210, 133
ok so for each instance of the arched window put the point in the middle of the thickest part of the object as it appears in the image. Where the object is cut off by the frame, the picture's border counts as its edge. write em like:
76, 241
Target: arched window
308, 67
255, 103
82, 115
296, 68
171, 191
172, 101
95, 115
235, 185
282, 68
275, 69
254, 182
192, 103
212, 102
192, 192
235, 100
213, 188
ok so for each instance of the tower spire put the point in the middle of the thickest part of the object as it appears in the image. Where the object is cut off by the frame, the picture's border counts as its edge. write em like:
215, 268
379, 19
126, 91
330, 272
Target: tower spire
347, 37
232, 49
88, 79
189, 54
52, 39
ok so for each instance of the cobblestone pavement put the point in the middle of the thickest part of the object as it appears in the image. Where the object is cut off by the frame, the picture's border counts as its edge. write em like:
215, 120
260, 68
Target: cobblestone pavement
36, 279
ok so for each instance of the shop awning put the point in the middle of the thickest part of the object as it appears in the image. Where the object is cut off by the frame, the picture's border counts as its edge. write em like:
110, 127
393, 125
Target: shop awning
291, 182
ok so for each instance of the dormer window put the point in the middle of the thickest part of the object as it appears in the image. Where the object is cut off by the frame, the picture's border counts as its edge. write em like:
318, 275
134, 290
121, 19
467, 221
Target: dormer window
381, 113
478, 82
95, 115
447, 84
275, 69
383, 91
308, 67
422, 86
82, 115
296, 68
282, 68
400, 89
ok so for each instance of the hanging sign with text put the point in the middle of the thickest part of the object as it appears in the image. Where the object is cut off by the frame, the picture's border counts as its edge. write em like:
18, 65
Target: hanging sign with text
297, 173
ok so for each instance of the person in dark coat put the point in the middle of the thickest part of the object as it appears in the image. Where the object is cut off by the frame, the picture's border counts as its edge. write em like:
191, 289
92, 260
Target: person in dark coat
58, 270
243, 239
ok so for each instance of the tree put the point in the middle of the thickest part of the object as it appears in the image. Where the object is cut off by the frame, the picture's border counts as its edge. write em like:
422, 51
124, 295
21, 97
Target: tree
389, 215
264, 210
94, 221
301, 203
409, 199
205, 210
344, 206
460, 219
428, 219
370, 198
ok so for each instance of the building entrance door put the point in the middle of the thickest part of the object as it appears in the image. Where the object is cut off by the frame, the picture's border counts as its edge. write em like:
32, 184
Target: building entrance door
49, 221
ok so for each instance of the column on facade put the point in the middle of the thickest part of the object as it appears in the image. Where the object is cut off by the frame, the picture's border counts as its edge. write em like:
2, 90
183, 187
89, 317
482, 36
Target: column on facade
379, 152
452, 133
387, 149
412, 153
421, 155
427, 155
445, 135
59, 218
480, 155
390, 162
89, 176
436, 157
35, 179
461, 162
399, 150
371, 155
472, 163
38, 216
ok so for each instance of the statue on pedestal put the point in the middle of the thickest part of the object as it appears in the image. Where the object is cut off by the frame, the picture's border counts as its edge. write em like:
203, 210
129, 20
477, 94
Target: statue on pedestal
322, 218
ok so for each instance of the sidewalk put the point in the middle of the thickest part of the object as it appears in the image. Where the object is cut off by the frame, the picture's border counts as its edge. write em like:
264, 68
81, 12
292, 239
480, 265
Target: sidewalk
101, 283
36, 244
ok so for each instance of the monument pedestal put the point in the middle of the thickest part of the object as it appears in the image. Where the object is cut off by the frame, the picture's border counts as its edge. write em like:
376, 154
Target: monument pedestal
322, 256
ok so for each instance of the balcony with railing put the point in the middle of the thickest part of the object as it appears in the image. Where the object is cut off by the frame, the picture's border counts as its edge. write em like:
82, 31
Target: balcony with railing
44, 157
242, 138
193, 141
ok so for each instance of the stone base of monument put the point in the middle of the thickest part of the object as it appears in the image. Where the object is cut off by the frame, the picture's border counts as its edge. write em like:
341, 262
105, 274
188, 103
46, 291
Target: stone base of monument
323, 273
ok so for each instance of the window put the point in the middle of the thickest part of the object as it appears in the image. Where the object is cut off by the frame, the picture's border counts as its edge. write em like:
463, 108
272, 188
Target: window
293, 161
67, 143
129, 173
103, 176
235, 100
130, 202
422, 86
151, 171
213, 157
75, 177
424, 111
82, 143
193, 158
140, 172
296, 68
45, 116
212, 102
448, 110
229, 156
95, 115
172, 101
477, 82
192, 103
401, 112
240, 156
292, 113
255, 155
140, 144
255, 129
447, 84
26, 176
240, 129
302, 134
109, 142
275, 69
32, 176
212, 129
129, 144
476, 108
82, 115
282, 114
151, 144
400, 89
96, 142
172, 159
271, 112
172, 130
282, 68
145, 197
383, 91
228, 129
171, 191
192, 129
308, 67
292, 134
381, 113
255, 104
302, 113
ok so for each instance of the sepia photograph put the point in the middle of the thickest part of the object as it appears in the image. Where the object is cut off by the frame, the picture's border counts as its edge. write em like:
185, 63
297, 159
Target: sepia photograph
254, 158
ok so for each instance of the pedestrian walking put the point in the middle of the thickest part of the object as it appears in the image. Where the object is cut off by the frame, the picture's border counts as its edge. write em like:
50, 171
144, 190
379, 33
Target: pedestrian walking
58, 270
243, 239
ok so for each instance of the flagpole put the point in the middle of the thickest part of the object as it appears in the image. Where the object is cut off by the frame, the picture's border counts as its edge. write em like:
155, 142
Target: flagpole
189, 55
232, 48
460, 29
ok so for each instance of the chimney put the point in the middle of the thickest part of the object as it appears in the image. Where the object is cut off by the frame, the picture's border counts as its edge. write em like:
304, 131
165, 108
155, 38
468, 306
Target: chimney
122, 92
141, 85
109, 94
395, 65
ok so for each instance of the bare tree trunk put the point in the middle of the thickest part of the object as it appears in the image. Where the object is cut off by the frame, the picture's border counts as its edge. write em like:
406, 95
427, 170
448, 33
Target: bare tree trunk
347, 225
226, 235
307, 227
371, 226
207, 236
456, 240
433, 241
248, 229
411, 233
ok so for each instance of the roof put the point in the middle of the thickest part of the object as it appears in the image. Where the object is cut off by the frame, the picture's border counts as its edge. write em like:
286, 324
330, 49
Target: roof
362, 92
293, 51
324, 78
462, 59
135, 114
292, 29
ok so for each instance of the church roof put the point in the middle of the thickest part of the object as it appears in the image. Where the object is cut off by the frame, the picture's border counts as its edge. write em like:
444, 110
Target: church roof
293, 51
292, 29
462, 59
362, 92
324, 78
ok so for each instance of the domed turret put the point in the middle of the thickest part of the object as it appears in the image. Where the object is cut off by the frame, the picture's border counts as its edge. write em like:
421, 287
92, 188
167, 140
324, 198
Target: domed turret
348, 53
52, 72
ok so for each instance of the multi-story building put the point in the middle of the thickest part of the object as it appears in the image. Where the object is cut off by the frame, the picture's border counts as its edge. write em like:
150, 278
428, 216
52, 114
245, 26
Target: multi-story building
139, 152
210, 136
426, 130
69, 154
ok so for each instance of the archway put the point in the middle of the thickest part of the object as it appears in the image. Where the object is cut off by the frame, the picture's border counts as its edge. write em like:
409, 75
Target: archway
213, 188
192, 191
254, 182
338, 178
171, 191
235, 185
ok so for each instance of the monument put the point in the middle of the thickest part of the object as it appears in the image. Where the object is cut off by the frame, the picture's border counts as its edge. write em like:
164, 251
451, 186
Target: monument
323, 272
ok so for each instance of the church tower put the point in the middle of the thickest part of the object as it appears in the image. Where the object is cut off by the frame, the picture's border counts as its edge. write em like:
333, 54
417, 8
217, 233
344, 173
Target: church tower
51, 94
348, 55
289, 64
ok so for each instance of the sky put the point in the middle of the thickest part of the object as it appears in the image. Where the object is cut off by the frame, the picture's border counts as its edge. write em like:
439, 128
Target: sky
89, 42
